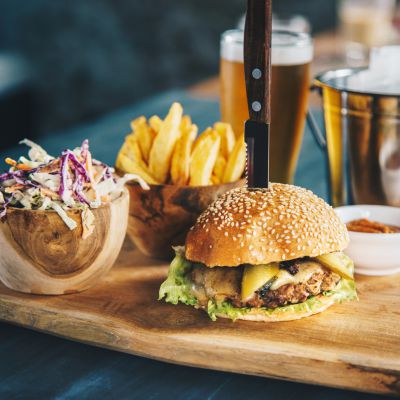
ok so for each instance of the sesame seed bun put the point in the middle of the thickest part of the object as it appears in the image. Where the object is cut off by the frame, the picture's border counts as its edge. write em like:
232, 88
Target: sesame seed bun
260, 226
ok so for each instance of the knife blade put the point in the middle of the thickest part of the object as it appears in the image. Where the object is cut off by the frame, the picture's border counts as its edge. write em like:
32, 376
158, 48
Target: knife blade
257, 66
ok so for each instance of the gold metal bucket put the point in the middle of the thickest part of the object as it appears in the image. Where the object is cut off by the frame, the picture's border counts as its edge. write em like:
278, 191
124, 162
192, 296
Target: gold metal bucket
362, 140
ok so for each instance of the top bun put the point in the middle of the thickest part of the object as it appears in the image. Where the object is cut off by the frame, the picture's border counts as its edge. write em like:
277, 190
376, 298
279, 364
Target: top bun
260, 226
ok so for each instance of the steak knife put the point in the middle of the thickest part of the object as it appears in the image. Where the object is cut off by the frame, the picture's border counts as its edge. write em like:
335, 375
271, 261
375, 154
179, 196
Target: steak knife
257, 67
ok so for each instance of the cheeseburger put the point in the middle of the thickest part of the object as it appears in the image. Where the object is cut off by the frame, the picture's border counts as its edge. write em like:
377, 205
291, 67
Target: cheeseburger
263, 255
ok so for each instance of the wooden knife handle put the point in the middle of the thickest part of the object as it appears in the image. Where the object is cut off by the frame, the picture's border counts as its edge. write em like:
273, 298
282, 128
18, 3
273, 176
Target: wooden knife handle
257, 58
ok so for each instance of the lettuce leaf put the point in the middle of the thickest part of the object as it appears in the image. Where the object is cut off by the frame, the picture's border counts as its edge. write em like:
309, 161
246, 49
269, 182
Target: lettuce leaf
177, 288
345, 290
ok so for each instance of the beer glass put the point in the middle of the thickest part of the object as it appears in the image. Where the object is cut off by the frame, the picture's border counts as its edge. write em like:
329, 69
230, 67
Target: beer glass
285, 22
291, 59
365, 24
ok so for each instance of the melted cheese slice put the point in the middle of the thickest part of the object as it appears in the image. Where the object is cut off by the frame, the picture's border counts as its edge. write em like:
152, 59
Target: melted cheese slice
306, 270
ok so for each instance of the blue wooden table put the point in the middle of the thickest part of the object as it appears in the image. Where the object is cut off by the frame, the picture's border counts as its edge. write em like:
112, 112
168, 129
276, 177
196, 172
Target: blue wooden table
38, 366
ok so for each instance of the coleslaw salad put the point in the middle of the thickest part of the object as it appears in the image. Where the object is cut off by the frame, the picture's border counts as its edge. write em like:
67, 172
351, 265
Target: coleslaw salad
74, 180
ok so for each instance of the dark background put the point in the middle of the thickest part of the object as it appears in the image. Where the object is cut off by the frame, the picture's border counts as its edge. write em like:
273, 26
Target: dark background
63, 62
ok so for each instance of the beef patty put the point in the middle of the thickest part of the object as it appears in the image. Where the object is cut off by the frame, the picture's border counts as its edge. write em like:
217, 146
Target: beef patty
224, 283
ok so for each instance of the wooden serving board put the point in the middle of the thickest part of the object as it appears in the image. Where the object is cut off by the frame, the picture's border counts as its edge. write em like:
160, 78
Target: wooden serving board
353, 345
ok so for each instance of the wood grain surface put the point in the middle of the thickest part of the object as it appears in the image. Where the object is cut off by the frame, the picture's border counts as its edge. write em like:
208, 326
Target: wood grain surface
353, 345
161, 217
40, 254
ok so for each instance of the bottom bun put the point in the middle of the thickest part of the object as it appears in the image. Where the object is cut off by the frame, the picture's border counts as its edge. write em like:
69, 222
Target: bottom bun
260, 315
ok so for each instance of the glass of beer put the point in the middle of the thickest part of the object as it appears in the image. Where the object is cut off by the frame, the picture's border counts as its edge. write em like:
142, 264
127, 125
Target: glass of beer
365, 24
292, 54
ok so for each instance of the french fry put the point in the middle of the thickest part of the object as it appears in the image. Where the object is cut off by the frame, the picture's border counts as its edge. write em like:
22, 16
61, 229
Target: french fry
214, 180
130, 160
219, 167
202, 137
236, 163
155, 123
144, 136
180, 165
167, 150
227, 138
132, 149
186, 123
203, 160
137, 121
124, 163
164, 143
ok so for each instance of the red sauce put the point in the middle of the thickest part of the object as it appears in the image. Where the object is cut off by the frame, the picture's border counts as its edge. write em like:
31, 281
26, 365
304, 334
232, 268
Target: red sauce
366, 226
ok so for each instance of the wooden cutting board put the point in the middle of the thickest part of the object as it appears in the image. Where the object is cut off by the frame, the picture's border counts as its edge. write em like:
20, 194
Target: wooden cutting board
353, 345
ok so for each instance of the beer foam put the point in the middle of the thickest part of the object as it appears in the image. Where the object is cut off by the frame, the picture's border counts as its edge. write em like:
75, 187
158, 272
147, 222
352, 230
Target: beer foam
292, 55
284, 50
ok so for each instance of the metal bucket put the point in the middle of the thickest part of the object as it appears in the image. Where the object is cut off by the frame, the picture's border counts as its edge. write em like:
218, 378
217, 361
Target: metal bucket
362, 140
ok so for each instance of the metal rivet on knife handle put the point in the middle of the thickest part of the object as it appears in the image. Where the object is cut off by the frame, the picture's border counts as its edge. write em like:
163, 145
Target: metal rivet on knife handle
256, 74
256, 106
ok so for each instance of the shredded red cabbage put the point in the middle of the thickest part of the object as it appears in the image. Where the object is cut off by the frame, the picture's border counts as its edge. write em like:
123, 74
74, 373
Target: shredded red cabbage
70, 169
63, 174
78, 166
3, 207
107, 170
78, 190
11, 175
19, 176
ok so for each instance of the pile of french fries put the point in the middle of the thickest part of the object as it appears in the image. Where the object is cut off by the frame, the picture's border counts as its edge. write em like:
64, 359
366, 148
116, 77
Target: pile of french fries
169, 151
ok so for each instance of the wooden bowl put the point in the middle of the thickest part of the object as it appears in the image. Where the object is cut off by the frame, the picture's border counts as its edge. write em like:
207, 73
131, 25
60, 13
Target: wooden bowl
41, 255
160, 218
